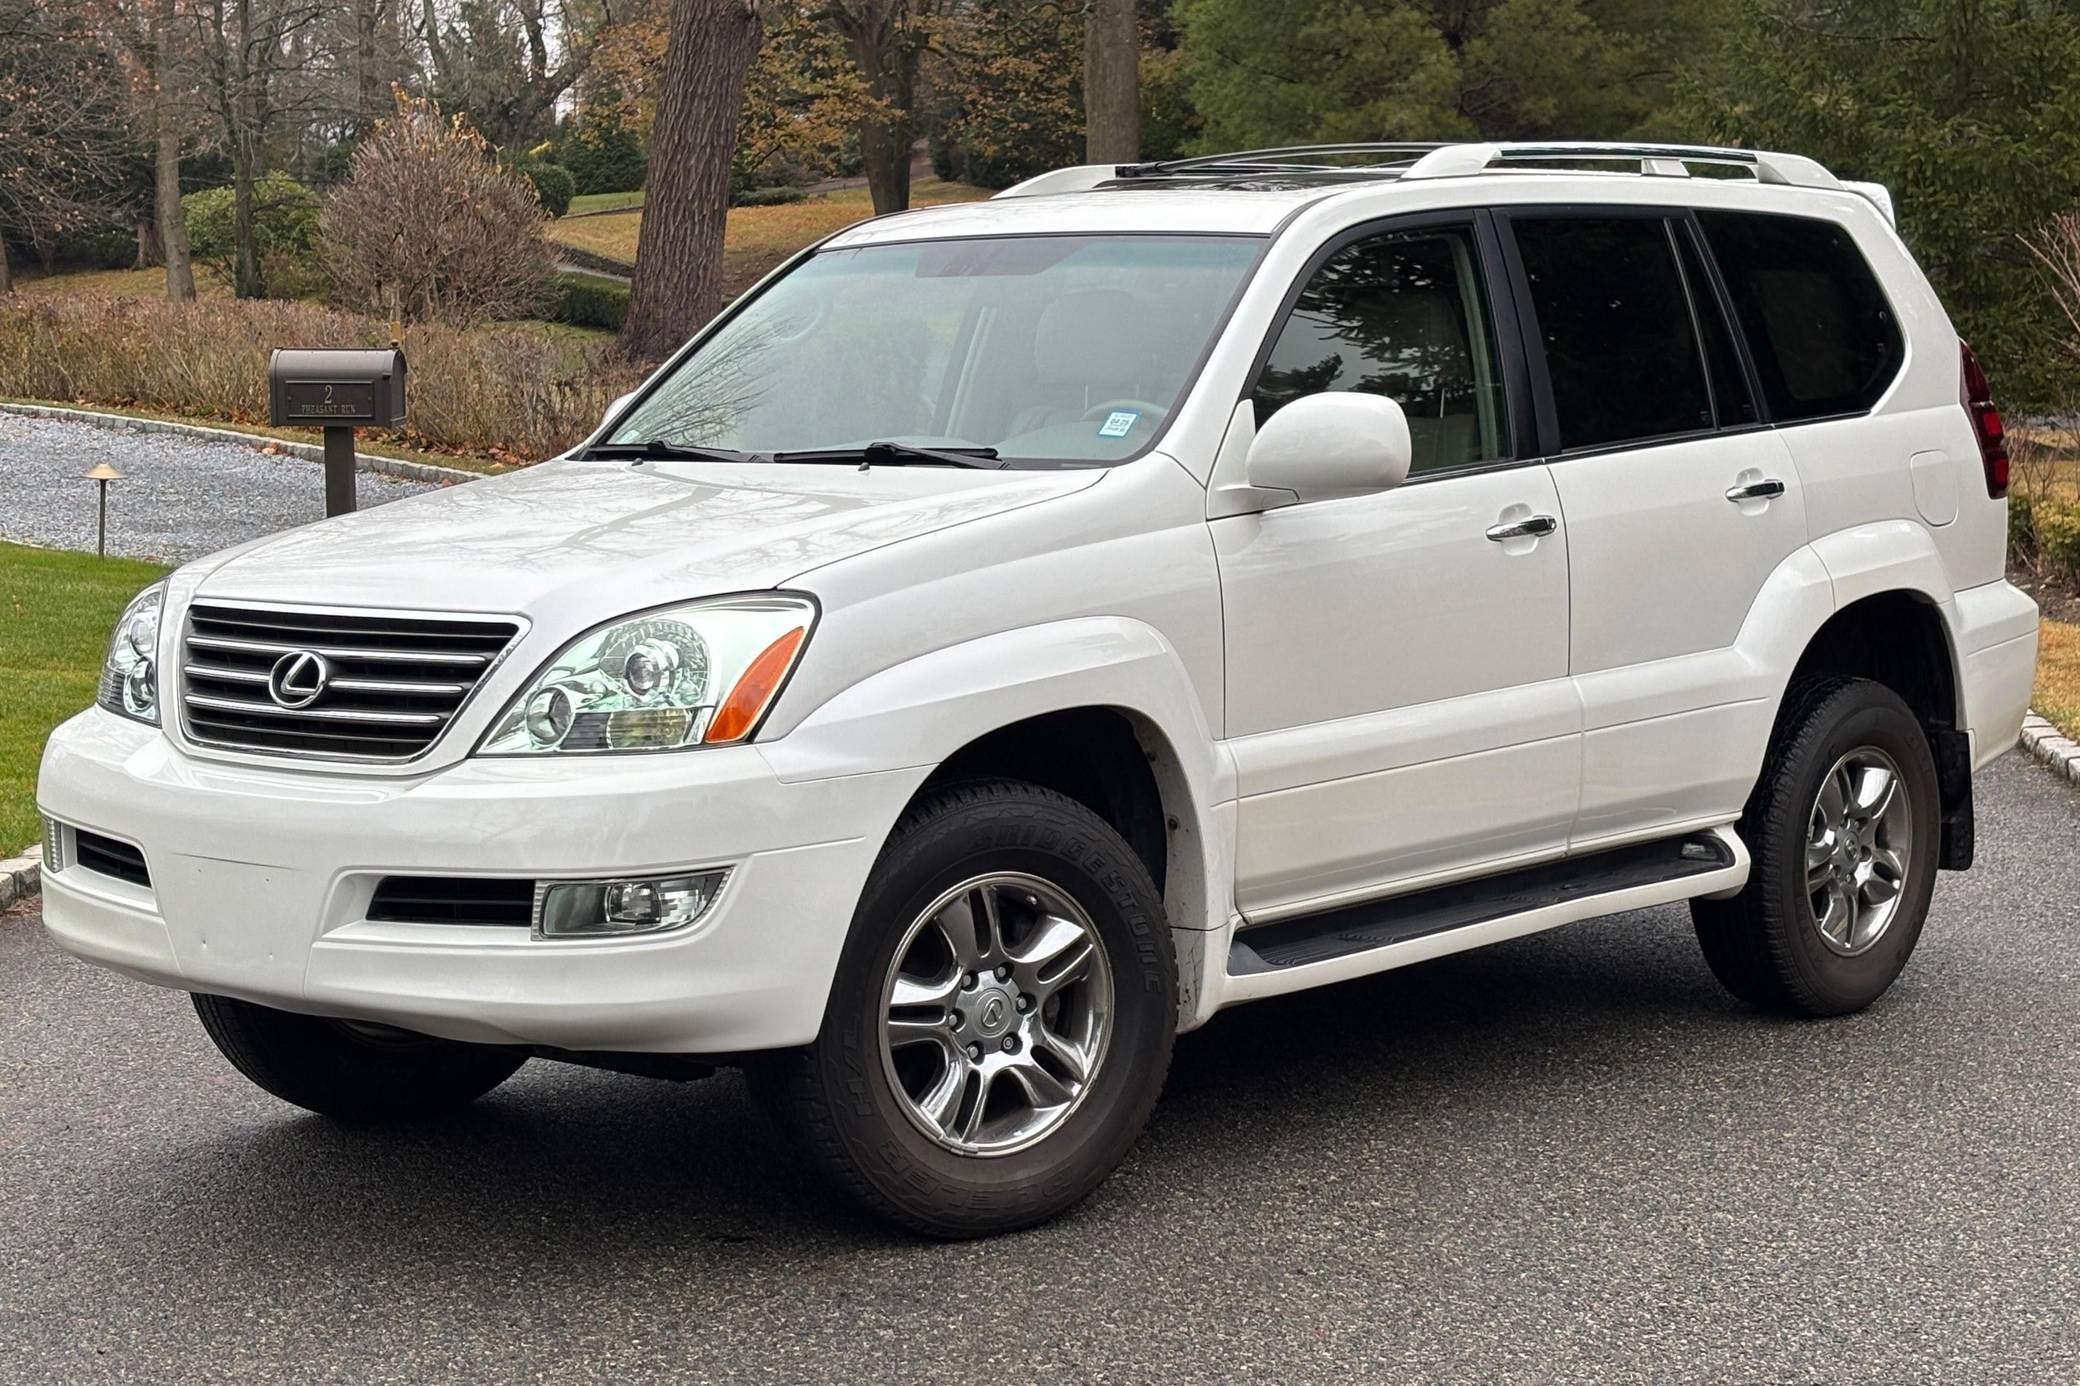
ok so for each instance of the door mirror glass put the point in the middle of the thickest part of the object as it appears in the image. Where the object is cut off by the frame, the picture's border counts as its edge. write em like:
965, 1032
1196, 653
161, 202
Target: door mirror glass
1326, 446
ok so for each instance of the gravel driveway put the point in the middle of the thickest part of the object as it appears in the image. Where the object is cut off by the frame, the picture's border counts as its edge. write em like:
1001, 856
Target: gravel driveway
1570, 1158
181, 498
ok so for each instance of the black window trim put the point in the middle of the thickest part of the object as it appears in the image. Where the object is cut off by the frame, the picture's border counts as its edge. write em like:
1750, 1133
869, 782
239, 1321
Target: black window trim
1548, 415
1502, 311
1723, 297
1740, 333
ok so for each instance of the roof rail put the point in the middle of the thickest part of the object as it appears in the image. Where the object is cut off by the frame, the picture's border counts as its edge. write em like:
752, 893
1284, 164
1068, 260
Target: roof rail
1391, 156
1655, 160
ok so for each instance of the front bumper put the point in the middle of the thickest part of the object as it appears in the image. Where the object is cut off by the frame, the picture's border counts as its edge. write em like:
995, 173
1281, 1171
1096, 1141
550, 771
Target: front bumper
261, 881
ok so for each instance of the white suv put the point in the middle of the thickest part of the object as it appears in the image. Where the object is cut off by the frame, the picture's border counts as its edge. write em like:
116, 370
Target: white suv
1016, 631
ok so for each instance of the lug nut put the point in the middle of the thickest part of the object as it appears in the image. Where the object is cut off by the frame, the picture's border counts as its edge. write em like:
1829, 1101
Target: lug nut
1011, 1044
968, 982
975, 1051
1024, 1002
956, 1019
1004, 972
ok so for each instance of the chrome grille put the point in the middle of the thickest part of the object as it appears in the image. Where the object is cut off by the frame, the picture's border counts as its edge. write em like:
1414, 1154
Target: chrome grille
388, 685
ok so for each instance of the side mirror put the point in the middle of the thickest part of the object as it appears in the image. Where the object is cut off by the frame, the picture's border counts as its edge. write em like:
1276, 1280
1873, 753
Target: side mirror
1331, 445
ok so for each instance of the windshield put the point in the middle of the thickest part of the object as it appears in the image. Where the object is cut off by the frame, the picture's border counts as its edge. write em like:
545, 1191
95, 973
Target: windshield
1045, 348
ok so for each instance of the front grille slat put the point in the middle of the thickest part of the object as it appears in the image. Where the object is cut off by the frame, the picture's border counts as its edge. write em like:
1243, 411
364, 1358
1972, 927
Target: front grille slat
343, 652
394, 681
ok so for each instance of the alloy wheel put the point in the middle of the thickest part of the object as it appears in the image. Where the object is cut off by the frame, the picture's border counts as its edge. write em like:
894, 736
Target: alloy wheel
1858, 849
996, 1014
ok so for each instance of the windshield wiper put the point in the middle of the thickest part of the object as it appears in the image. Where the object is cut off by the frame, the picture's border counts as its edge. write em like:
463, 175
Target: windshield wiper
658, 450
896, 455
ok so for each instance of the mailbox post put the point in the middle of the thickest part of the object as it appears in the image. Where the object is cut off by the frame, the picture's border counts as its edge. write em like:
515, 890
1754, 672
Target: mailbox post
338, 391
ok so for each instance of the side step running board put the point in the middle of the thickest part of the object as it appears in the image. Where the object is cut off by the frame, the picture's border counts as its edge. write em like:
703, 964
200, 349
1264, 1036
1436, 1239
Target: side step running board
1372, 937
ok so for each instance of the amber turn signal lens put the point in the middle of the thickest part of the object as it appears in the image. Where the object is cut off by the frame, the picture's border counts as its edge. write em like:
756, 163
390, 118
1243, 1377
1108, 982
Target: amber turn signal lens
740, 711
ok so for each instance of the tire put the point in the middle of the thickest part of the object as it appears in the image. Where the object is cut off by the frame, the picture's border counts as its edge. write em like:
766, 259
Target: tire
1766, 945
355, 1074
858, 1106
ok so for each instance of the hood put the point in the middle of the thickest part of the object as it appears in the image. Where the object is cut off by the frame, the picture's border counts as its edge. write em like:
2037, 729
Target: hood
637, 534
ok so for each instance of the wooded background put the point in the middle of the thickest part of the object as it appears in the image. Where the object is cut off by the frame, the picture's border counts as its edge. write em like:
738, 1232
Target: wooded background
214, 138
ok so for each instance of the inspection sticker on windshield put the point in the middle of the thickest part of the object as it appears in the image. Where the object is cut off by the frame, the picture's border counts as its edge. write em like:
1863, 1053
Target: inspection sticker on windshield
1120, 423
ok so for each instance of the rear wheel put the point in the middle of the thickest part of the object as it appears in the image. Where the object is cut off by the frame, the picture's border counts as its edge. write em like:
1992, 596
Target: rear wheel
1843, 824
1001, 1020
350, 1070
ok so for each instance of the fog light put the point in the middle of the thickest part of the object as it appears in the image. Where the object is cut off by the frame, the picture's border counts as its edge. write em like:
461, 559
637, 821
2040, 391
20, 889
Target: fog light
591, 909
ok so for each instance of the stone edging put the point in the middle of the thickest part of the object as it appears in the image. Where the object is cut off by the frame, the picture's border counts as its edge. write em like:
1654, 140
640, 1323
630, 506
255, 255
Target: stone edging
21, 877
309, 452
2050, 747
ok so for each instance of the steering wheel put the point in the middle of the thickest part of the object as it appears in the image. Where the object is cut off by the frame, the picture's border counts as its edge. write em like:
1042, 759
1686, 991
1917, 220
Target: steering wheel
1141, 406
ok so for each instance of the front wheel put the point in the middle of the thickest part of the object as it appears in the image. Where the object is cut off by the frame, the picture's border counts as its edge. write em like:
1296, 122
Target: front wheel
344, 1069
1001, 1020
1844, 825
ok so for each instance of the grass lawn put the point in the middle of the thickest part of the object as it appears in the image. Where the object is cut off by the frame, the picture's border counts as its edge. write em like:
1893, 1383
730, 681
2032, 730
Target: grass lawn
606, 202
56, 612
131, 283
758, 238
2057, 694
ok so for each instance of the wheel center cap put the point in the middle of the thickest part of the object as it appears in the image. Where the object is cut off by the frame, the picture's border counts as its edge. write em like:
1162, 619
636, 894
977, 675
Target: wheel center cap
994, 1012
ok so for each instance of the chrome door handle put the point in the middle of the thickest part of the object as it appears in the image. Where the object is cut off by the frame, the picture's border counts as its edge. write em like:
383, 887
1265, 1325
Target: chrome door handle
1755, 490
1533, 527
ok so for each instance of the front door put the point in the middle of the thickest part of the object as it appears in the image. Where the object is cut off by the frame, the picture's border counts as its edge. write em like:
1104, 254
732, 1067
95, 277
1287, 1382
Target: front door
1398, 703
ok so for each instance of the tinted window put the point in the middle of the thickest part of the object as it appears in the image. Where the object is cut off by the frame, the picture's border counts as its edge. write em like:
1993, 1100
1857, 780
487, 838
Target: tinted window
1406, 316
1822, 335
1621, 352
1731, 400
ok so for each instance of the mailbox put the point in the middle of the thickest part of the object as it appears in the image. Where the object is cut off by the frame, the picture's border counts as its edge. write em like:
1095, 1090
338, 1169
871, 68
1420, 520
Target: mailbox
336, 389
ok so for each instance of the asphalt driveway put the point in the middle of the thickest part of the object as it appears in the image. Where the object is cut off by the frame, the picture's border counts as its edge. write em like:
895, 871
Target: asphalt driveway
1570, 1158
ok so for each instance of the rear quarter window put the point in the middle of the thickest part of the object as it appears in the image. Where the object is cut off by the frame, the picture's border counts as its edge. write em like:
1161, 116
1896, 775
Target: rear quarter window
1824, 338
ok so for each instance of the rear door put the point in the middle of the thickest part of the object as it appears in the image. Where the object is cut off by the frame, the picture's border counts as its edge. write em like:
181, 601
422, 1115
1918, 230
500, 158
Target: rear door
1679, 503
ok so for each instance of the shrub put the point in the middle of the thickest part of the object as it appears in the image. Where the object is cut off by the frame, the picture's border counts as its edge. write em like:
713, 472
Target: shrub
604, 156
285, 225
586, 300
2054, 536
513, 393
768, 197
429, 222
554, 187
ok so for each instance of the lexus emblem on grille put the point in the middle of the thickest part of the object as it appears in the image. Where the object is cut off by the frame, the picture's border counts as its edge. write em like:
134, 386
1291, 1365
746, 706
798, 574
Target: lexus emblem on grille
298, 678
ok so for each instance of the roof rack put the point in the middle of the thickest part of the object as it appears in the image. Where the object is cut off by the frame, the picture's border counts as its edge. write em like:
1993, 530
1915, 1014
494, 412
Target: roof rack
1413, 161
1653, 160
1294, 158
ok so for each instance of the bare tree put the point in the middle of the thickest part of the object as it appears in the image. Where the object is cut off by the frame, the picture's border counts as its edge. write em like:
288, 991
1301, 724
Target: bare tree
506, 64
678, 271
889, 39
255, 57
62, 127
1111, 82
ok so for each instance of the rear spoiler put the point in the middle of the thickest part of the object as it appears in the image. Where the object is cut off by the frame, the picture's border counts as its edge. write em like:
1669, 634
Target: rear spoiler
1878, 194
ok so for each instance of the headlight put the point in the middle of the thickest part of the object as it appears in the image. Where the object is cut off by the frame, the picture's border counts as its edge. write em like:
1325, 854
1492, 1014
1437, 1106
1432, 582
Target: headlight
130, 674
702, 674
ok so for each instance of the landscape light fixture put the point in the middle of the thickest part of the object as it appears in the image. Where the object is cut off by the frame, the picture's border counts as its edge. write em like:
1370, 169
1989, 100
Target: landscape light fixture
103, 473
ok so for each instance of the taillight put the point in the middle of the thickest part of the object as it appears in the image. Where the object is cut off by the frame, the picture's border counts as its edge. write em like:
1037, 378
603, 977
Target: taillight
1986, 423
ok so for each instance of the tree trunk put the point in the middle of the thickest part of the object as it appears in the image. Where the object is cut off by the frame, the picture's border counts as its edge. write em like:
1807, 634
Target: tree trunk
678, 273
166, 163
245, 273
173, 221
6, 270
887, 60
1111, 83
